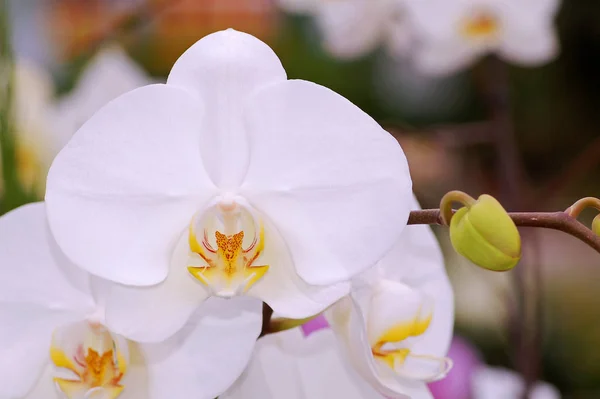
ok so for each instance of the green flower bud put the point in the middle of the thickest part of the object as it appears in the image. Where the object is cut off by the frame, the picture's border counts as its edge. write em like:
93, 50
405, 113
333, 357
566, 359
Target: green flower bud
596, 225
485, 234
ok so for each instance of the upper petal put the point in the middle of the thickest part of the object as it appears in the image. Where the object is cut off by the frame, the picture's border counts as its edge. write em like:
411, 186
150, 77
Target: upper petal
209, 354
32, 268
287, 365
123, 189
334, 183
225, 68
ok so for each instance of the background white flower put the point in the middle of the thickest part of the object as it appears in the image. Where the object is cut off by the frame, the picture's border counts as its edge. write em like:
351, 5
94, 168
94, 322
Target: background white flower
353, 28
33, 129
110, 73
453, 34
499, 383
396, 326
289, 365
52, 326
252, 183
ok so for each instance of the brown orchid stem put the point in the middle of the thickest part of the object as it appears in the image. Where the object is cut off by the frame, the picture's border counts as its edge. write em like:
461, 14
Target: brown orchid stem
548, 220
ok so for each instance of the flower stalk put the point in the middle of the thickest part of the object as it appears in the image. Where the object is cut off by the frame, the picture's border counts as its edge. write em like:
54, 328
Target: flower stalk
561, 221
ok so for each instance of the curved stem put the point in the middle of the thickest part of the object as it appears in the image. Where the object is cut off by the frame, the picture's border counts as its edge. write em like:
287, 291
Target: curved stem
446, 211
578, 207
549, 220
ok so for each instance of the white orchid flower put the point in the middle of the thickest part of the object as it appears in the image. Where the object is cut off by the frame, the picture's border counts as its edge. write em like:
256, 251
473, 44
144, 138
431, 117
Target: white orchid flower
289, 365
499, 383
353, 28
108, 74
453, 34
233, 175
55, 343
396, 326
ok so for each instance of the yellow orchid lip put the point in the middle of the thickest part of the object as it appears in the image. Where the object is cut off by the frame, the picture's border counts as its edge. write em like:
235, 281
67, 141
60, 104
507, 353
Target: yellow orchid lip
398, 333
96, 364
392, 348
227, 267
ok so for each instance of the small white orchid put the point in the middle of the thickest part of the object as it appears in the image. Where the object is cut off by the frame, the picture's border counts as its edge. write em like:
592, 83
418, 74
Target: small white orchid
109, 74
396, 326
499, 383
228, 180
55, 342
352, 28
453, 34
289, 365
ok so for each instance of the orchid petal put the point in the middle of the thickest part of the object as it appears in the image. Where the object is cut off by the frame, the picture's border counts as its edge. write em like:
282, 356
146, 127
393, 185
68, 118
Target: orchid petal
348, 324
152, 314
208, 354
353, 28
25, 335
44, 386
533, 47
127, 184
33, 270
225, 68
328, 176
417, 261
287, 365
283, 290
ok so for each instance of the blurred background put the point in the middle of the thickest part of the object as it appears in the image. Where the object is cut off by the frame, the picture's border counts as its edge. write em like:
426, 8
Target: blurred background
501, 97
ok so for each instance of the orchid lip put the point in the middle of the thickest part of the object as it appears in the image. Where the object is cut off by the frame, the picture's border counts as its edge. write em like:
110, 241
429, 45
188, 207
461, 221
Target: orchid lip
225, 241
88, 362
392, 347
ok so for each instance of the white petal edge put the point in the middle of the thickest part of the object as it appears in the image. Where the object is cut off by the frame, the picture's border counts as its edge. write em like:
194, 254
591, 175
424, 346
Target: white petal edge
224, 68
208, 354
287, 365
123, 189
328, 177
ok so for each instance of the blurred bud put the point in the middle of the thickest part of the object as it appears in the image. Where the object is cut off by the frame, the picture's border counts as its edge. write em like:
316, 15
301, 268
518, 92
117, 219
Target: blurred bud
596, 225
484, 233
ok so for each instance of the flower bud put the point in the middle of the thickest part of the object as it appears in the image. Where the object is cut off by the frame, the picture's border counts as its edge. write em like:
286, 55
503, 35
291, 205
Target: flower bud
485, 234
596, 225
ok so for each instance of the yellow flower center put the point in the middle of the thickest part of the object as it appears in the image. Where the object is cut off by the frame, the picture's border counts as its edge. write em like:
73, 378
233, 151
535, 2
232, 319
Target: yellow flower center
225, 264
96, 364
480, 25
